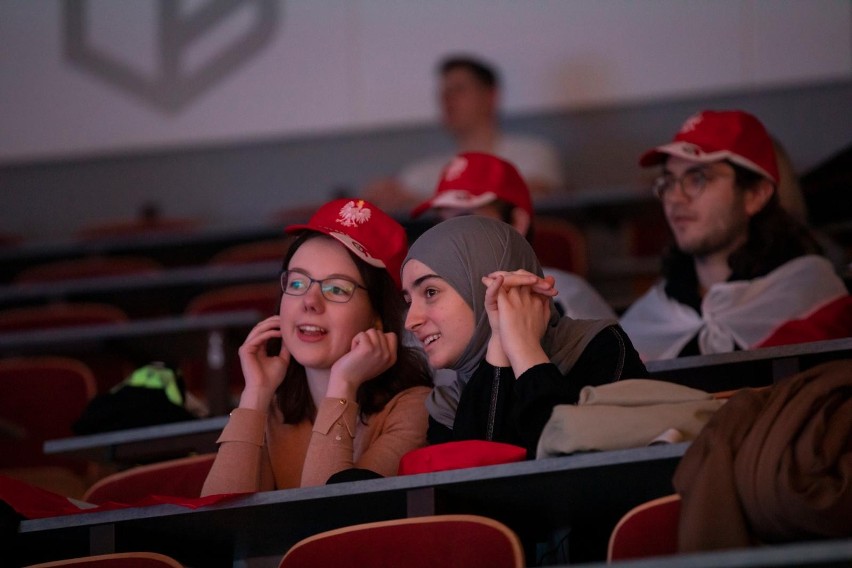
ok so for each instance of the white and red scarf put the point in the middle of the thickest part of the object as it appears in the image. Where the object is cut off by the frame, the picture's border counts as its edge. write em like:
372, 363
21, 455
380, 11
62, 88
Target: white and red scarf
737, 314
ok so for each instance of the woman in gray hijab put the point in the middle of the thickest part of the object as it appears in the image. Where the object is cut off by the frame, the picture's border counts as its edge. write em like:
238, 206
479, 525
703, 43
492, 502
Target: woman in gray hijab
479, 305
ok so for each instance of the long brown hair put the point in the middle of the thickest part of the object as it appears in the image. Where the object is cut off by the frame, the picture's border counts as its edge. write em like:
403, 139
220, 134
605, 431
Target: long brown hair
294, 397
774, 237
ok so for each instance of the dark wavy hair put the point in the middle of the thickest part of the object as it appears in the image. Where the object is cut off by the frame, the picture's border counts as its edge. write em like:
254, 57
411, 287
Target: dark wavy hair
774, 237
410, 370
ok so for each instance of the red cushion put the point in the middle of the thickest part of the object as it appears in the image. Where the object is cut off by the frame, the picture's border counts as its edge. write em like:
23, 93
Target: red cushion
180, 477
650, 529
33, 502
419, 542
459, 455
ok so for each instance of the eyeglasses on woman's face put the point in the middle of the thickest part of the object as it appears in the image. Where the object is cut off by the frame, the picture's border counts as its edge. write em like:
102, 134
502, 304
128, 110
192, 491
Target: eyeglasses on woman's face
336, 289
692, 182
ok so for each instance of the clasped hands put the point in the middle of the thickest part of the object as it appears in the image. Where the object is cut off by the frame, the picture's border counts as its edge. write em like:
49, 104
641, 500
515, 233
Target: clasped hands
518, 307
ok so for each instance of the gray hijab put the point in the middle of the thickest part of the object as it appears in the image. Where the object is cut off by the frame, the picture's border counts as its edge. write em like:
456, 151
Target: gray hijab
461, 251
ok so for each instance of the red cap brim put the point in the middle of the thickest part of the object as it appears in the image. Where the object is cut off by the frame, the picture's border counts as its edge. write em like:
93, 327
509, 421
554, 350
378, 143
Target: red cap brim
421, 209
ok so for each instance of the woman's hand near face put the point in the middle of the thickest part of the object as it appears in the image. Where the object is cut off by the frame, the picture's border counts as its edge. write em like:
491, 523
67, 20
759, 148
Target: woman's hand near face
545, 286
372, 352
524, 315
497, 284
494, 354
263, 373
518, 308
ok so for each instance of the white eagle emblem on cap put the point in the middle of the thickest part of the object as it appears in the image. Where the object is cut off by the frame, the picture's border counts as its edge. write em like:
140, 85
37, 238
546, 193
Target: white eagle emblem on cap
455, 168
353, 214
692, 122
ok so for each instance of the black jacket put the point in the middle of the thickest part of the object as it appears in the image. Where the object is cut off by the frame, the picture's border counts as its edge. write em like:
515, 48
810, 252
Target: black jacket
495, 406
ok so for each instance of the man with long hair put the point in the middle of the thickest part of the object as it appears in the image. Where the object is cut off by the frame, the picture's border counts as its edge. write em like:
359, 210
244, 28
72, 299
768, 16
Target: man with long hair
740, 266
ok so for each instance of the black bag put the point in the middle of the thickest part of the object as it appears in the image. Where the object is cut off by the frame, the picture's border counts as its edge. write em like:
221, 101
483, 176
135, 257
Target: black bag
153, 394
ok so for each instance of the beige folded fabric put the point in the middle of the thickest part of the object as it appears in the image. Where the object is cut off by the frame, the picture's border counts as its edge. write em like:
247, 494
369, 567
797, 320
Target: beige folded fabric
626, 414
640, 392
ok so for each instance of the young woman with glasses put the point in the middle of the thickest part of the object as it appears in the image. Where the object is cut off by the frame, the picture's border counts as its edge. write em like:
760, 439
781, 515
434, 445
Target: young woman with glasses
330, 387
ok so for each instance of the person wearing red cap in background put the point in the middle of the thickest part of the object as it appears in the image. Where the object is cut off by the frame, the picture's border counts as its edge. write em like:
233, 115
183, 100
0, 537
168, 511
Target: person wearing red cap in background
469, 100
330, 388
474, 183
740, 268
481, 306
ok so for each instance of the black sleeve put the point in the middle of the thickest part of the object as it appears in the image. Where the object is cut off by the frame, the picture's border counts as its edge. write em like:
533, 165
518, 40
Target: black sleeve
438, 433
609, 357
536, 392
478, 399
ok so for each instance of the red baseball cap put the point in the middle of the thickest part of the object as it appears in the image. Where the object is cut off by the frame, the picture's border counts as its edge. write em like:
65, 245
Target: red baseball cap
373, 235
474, 179
710, 136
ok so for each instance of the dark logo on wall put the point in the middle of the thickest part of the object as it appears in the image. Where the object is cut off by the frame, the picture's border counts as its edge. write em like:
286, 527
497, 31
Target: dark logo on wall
173, 85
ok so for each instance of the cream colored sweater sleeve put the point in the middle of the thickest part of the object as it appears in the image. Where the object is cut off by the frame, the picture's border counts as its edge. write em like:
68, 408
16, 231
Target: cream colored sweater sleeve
337, 443
242, 463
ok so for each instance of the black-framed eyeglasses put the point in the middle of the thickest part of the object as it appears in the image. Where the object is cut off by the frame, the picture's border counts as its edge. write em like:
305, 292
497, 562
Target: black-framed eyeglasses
692, 182
337, 289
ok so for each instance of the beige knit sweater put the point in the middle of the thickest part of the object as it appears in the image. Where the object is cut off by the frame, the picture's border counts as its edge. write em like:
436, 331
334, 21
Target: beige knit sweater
258, 452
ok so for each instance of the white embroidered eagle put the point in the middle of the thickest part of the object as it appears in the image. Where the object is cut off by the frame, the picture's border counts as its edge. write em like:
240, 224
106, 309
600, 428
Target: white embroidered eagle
353, 214
455, 168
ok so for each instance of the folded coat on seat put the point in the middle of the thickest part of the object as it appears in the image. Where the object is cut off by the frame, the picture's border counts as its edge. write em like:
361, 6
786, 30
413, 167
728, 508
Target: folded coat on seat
626, 414
772, 466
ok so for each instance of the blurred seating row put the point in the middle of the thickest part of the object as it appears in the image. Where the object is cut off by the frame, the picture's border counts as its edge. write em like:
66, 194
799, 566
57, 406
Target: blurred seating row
40, 399
471, 541
110, 369
10, 239
645, 536
559, 243
109, 366
170, 241
42, 395
100, 265
647, 530
148, 223
116, 560
88, 267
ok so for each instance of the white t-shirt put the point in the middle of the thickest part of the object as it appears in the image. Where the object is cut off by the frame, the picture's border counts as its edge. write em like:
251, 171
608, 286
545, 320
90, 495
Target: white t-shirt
534, 158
